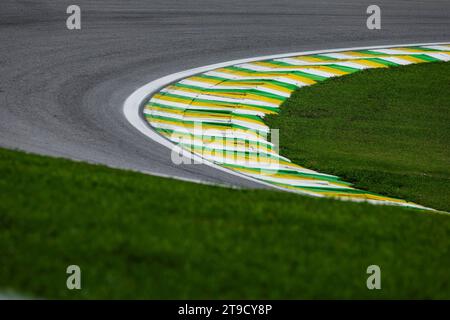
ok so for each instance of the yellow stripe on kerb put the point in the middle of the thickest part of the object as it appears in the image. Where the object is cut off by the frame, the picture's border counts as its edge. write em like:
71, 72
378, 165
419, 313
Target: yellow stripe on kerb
308, 59
411, 59
360, 54
272, 75
300, 68
370, 63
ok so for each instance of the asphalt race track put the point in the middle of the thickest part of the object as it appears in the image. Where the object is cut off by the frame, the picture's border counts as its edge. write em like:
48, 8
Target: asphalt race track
62, 91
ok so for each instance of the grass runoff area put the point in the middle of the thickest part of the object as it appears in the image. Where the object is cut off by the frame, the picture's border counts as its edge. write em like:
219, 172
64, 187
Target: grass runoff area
139, 236
385, 130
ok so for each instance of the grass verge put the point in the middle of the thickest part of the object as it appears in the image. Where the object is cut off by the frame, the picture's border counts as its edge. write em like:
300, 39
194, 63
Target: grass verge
138, 236
386, 130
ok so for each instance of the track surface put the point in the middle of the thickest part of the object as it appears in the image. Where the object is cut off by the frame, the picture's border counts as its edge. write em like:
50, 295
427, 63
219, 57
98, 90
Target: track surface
61, 91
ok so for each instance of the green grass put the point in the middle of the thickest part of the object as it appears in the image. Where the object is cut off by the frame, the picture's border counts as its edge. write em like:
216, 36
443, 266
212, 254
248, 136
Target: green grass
387, 131
138, 236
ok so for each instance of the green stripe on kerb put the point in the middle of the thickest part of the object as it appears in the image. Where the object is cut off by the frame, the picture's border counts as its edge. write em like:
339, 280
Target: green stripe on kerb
322, 57
343, 68
225, 81
385, 62
278, 63
223, 140
426, 58
238, 91
275, 72
292, 173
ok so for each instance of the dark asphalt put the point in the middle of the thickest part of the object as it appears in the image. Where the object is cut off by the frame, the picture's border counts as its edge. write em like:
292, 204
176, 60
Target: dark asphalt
61, 91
